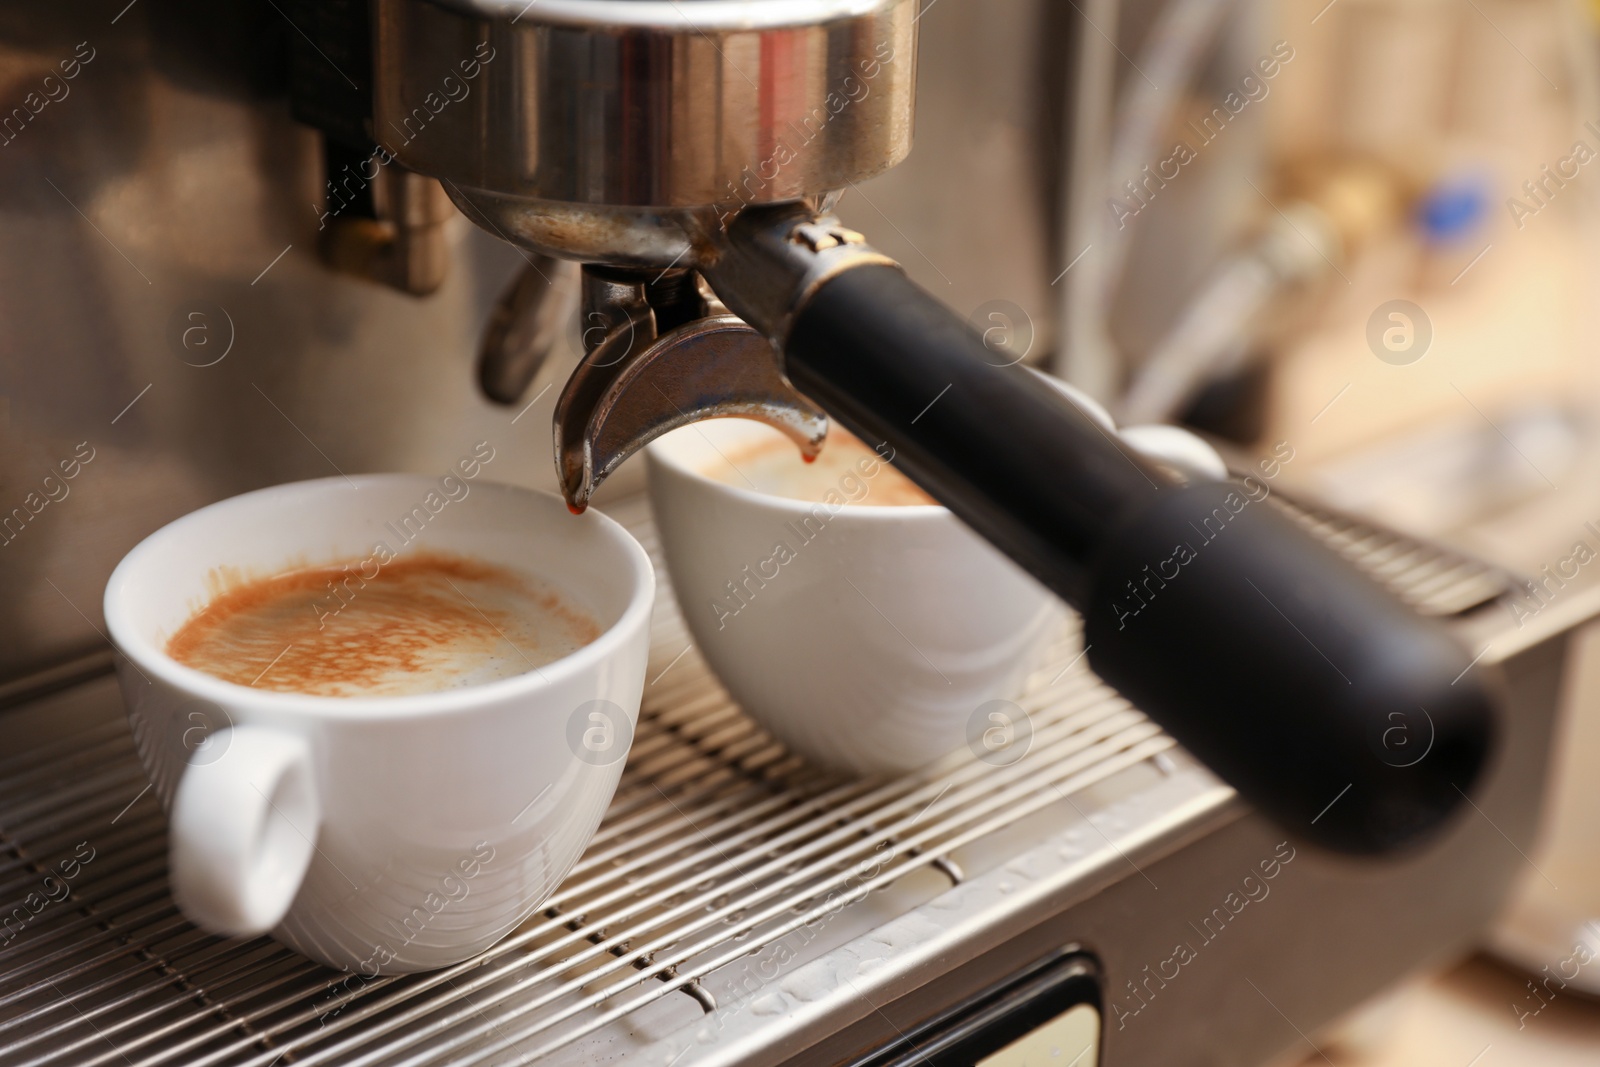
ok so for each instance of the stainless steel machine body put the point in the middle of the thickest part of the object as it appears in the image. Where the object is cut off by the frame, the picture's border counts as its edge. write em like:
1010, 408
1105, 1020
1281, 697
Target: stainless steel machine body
618, 132
162, 223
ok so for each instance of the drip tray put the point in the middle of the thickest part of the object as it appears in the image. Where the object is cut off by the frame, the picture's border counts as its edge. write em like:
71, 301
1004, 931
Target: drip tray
734, 902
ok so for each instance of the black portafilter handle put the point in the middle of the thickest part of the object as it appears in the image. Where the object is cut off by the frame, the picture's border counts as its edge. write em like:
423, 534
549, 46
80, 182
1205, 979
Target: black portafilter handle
1333, 708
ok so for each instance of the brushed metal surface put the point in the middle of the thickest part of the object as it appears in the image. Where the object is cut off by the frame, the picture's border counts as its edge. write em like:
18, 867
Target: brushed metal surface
1149, 873
198, 194
163, 307
642, 104
718, 843
806, 918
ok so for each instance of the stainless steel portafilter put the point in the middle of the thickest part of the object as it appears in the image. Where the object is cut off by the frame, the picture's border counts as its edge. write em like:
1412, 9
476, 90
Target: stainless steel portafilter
688, 153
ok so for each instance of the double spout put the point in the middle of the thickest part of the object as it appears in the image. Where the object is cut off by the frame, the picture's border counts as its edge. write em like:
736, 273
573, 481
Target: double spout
660, 354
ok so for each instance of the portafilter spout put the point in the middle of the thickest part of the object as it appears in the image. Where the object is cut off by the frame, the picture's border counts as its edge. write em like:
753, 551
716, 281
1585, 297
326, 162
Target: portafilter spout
660, 355
666, 144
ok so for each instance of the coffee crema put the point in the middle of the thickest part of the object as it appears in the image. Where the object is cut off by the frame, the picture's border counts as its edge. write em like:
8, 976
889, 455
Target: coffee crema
421, 624
847, 472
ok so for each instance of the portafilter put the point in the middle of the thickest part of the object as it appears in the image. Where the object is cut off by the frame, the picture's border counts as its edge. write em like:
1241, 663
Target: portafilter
689, 153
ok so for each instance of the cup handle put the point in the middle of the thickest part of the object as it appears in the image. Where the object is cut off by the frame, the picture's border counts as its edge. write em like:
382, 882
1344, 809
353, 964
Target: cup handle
243, 828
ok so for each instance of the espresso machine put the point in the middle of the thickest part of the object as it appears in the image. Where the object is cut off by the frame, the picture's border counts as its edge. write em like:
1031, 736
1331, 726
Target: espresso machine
241, 257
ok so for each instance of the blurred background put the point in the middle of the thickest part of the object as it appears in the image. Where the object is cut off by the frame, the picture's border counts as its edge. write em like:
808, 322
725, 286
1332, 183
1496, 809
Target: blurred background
1385, 259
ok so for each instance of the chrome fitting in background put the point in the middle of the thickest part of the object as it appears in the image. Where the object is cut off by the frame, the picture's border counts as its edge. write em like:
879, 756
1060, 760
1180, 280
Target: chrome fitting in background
406, 246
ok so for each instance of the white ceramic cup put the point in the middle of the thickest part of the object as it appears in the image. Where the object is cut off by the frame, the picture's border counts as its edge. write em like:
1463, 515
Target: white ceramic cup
381, 834
874, 641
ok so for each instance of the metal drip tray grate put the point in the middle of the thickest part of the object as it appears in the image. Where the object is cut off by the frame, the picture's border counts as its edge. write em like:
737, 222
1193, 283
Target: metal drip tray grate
718, 843
1432, 580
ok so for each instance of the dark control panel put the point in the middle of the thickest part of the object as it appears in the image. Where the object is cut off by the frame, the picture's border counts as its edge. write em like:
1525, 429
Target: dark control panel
1047, 1016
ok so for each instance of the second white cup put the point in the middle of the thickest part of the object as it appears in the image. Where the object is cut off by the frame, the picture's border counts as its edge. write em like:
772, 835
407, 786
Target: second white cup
865, 637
